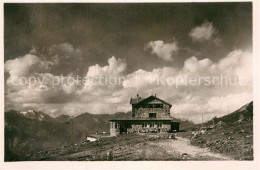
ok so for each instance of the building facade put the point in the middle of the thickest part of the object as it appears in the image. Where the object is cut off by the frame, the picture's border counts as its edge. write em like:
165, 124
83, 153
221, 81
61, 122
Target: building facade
149, 115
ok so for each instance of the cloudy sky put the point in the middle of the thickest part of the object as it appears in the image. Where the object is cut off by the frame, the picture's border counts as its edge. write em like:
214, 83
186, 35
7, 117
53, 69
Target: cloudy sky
139, 42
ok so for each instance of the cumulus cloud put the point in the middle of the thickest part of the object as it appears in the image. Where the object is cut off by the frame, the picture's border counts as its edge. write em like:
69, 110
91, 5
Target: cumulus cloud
163, 50
188, 101
115, 67
29, 81
103, 80
81, 97
205, 32
144, 79
23, 65
237, 62
198, 66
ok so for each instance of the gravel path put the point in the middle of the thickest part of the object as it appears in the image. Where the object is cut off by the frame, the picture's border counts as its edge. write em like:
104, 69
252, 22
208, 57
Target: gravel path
183, 148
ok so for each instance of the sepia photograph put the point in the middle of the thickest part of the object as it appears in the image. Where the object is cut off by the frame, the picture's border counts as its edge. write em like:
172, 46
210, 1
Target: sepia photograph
128, 82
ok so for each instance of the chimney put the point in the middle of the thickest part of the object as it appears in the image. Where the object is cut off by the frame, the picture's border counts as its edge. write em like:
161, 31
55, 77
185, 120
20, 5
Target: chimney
137, 97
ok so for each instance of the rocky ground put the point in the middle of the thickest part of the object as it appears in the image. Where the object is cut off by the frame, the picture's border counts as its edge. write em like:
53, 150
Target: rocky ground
225, 141
131, 147
231, 134
232, 139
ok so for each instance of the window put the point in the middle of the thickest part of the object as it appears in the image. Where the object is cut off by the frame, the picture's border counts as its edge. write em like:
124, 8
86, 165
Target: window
152, 106
152, 115
159, 124
112, 125
152, 124
117, 125
158, 105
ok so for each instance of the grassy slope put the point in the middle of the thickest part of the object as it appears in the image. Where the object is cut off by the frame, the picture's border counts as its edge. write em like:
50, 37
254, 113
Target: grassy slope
233, 138
24, 135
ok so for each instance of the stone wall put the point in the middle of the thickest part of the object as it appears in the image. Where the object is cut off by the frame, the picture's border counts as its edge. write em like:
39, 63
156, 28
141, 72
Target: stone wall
163, 112
138, 128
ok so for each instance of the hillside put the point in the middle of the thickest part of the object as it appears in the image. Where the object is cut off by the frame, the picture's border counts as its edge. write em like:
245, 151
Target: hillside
231, 134
24, 135
31, 131
63, 118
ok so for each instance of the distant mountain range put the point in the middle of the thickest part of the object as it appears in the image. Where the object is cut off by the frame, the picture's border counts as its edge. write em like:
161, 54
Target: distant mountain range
32, 131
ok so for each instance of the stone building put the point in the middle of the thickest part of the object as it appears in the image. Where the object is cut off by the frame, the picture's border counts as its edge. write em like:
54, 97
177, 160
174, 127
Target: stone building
149, 115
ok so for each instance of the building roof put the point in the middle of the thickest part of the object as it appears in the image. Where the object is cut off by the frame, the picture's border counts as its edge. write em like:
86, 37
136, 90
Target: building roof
138, 100
141, 118
135, 100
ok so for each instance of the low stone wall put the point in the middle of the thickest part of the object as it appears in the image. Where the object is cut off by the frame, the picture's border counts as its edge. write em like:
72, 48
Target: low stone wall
114, 132
137, 127
140, 129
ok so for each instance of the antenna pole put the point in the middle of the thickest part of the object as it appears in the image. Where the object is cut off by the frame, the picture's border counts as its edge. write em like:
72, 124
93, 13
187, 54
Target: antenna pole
202, 118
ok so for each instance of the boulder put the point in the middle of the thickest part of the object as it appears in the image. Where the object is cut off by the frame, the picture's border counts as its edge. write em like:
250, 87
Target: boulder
220, 123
